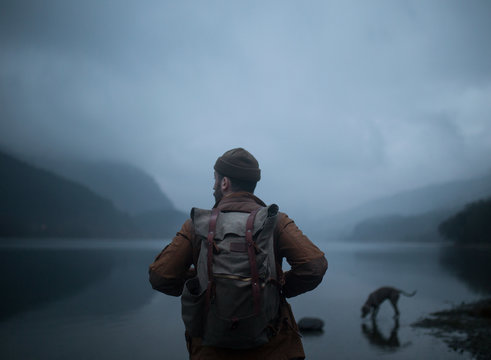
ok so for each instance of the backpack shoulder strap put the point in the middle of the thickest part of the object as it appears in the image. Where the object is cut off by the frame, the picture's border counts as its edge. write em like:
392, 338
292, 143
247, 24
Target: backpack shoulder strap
210, 243
251, 250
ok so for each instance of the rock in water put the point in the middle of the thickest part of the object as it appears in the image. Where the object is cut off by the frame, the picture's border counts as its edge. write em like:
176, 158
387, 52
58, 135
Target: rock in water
310, 324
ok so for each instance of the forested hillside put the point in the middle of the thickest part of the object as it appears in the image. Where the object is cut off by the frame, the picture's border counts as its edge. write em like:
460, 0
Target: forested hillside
35, 202
422, 227
471, 225
413, 214
130, 189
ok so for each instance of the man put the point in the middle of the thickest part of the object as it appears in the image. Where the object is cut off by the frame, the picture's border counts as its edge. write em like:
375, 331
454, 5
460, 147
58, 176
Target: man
236, 175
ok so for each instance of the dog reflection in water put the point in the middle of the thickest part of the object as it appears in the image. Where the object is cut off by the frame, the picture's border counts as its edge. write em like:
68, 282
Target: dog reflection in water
377, 338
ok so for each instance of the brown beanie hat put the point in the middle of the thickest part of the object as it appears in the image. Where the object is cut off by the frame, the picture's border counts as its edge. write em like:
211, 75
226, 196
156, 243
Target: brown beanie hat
238, 164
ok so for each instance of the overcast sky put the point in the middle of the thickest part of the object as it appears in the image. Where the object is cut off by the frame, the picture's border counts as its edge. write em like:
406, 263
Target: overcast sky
340, 101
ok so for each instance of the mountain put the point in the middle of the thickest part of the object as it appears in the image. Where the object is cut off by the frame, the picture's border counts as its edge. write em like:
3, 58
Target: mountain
421, 227
432, 201
129, 188
432, 197
38, 203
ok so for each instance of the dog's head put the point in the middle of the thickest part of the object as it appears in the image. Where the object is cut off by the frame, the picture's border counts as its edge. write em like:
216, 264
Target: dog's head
365, 309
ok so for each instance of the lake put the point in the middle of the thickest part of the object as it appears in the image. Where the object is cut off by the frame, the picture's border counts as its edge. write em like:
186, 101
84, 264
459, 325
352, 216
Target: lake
91, 299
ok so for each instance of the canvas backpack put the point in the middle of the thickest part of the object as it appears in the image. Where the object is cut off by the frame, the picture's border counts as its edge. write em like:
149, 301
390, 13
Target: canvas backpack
234, 299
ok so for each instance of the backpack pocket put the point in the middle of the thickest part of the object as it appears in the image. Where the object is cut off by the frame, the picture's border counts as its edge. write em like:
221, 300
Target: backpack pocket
232, 321
244, 333
193, 307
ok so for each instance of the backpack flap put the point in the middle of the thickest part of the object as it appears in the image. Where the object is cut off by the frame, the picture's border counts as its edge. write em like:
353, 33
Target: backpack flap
231, 222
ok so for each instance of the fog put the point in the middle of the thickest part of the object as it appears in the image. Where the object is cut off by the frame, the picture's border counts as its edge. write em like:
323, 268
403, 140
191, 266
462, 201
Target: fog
340, 101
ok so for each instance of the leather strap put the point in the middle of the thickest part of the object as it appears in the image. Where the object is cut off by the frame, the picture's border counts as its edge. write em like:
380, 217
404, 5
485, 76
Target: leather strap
251, 249
211, 246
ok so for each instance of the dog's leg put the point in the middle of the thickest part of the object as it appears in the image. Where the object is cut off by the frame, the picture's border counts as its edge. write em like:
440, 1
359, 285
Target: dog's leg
393, 301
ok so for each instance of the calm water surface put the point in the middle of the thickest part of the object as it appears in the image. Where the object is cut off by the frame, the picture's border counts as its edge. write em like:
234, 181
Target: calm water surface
89, 299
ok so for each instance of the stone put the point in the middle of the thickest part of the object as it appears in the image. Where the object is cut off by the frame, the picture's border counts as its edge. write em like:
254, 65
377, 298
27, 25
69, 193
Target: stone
310, 324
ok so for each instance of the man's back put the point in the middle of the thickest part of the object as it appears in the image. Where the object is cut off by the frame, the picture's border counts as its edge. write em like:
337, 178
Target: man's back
308, 266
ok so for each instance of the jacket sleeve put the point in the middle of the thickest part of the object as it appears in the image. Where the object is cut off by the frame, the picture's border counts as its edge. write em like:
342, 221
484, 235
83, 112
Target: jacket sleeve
308, 263
171, 267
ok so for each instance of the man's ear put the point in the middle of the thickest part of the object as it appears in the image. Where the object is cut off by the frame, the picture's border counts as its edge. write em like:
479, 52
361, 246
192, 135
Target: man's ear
225, 184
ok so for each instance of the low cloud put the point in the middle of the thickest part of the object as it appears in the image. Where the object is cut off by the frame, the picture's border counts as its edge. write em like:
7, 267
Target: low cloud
340, 102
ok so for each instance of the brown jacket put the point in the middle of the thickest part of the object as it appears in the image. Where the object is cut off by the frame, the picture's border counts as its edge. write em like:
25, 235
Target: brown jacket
171, 269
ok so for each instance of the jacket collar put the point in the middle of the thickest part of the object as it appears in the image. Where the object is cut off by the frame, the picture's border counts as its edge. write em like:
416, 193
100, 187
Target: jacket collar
239, 201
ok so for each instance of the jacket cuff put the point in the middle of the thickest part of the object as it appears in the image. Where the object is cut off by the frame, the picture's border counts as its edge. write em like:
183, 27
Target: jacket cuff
304, 277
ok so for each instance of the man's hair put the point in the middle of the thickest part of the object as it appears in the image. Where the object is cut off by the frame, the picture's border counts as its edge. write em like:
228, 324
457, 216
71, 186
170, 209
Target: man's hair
239, 185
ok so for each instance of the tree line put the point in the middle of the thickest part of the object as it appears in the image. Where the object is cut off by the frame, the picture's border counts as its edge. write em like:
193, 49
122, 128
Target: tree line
470, 225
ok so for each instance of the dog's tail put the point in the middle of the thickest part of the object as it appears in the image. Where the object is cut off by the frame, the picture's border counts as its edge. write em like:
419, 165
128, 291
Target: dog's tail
407, 294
